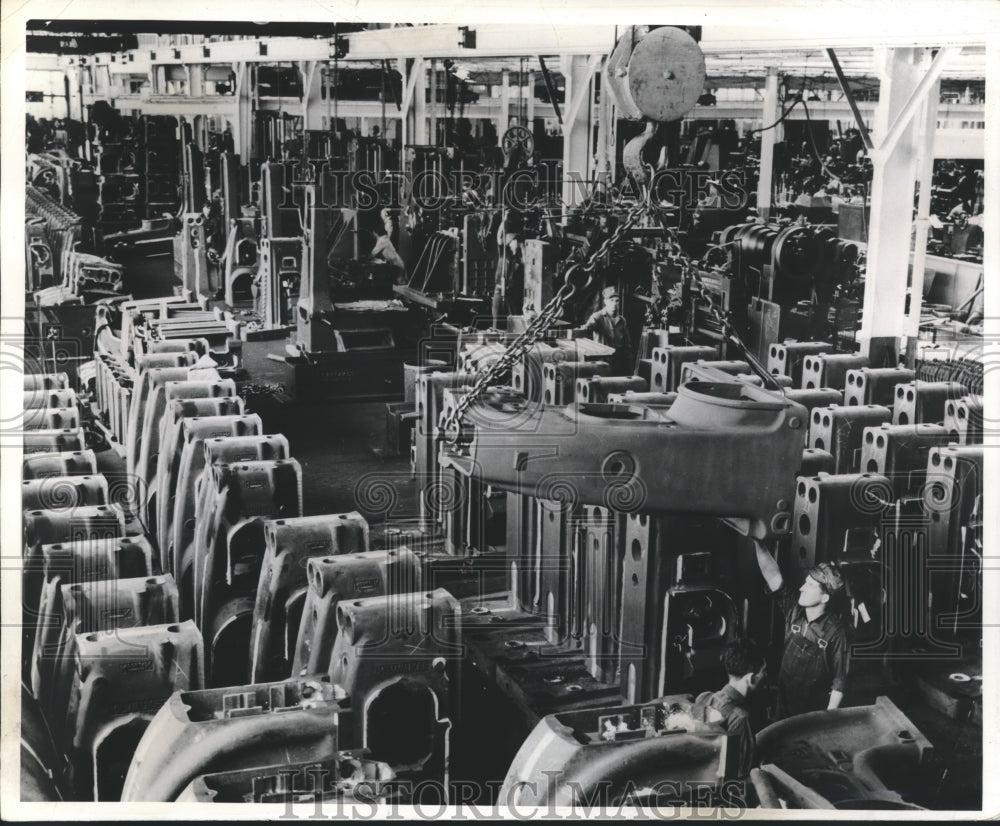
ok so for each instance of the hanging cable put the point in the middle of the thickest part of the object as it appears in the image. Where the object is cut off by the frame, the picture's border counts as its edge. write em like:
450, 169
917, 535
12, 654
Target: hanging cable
781, 119
383, 98
336, 80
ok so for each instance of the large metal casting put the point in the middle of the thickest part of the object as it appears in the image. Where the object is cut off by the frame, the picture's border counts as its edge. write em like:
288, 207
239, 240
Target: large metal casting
923, 402
217, 450
605, 755
559, 379
261, 726
57, 492
603, 614
177, 494
50, 527
527, 374
71, 563
151, 374
98, 606
650, 399
290, 545
346, 779
431, 390
160, 433
45, 381
786, 359
122, 678
665, 370
44, 465
146, 415
963, 419
875, 385
900, 453
332, 579
829, 369
173, 432
953, 501
811, 399
597, 389
52, 441
228, 549
840, 431
34, 399
398, 657
814, 462
864, 754
610, 455
837, 516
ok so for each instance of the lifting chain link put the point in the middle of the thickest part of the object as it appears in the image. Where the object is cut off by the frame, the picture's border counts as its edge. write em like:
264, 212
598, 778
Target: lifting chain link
578, 277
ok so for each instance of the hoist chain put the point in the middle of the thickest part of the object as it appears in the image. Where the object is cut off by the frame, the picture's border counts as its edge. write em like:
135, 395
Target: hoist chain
578, 277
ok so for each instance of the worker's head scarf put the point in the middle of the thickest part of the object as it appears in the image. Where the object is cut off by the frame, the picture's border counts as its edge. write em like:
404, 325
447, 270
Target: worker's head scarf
829, 577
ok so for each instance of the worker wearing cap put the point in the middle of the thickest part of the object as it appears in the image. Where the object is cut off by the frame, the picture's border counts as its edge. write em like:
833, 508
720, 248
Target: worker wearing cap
608, 327
814, 664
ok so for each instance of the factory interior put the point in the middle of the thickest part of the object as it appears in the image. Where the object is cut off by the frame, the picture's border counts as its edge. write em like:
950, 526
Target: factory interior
503, 415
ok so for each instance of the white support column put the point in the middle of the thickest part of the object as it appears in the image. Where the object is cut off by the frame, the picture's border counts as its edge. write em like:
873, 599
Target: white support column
433, 75
75, 96
420, 103
605, 135
242, 118
504, 103
903, 117
196, 79
530, 92
310, 89
927, 126
406, 104
583, 92
883, 322
578, 71
765, 182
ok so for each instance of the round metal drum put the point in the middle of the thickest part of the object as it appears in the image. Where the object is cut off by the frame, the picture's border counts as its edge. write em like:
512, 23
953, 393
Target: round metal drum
666, 74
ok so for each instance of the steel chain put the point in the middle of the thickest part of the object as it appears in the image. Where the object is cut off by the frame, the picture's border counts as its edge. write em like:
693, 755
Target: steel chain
519, 347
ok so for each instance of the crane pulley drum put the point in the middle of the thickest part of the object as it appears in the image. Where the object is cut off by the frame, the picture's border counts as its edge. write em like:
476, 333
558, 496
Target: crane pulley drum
659, 75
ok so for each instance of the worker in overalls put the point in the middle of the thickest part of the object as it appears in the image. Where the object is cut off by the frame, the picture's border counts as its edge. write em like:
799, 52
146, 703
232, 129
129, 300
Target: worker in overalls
609, 328
814, 664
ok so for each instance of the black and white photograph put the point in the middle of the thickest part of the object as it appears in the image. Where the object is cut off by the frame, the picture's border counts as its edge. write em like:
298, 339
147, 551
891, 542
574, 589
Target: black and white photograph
473, 411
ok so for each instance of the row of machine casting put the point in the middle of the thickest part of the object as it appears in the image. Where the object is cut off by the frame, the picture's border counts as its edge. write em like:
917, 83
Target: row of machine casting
190, 635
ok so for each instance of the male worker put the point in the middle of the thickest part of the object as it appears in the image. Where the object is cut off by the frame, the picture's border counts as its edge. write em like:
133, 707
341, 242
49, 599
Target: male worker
814, 665
387, 252
609, 327
744, 663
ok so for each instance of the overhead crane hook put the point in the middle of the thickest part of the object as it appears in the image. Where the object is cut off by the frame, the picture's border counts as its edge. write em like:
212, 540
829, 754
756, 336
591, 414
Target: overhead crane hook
657, 75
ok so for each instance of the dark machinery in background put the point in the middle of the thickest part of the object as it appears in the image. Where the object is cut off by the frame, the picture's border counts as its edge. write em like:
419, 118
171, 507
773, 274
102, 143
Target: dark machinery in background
582, 547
